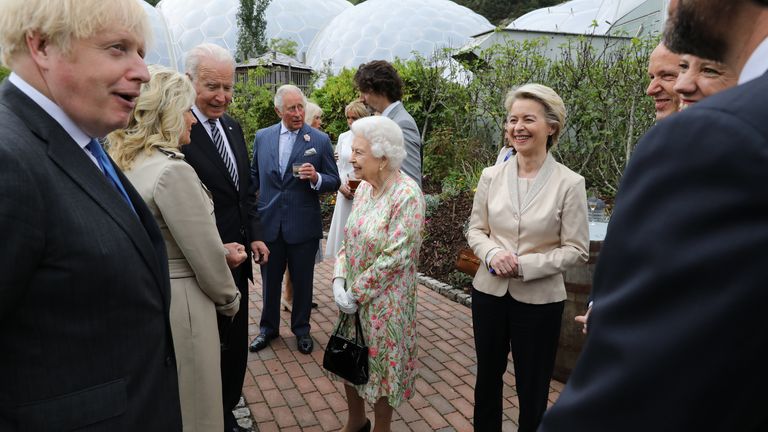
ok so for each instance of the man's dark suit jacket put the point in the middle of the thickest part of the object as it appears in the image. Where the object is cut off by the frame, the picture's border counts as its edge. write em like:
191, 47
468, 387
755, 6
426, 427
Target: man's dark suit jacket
286, 204
678, 336
85, 341
236, 223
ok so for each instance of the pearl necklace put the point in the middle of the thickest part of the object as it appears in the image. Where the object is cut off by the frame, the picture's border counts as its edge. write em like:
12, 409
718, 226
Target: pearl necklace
383, 188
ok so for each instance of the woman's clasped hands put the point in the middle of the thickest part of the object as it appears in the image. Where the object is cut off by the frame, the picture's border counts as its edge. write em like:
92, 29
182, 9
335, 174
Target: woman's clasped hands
504, 263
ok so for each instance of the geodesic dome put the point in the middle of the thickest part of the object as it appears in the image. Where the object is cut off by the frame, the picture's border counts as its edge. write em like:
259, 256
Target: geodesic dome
160, 48
598, 17
301, 20
386, 29
193, 23
215, 21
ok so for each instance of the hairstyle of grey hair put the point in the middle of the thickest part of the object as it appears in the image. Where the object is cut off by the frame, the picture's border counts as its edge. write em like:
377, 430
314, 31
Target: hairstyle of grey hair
63, 21
282, 90
311, 111
385, 136
214, 52
554, 107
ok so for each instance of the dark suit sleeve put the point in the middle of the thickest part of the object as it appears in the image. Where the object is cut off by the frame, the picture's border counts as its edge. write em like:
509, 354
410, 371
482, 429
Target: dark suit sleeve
21, 225
678, 326
253, 190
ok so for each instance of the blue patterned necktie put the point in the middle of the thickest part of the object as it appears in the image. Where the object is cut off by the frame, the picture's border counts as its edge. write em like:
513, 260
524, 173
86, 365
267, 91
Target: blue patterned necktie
221, 147
109, 171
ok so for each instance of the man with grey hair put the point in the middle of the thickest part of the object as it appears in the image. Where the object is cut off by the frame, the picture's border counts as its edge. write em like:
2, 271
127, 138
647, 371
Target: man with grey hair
679, 329
219, 156
84, 288
292, 164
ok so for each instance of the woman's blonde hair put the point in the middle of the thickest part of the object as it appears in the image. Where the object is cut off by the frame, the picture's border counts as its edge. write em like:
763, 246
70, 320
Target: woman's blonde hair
554, 107
357, 108
63, 21
157, 120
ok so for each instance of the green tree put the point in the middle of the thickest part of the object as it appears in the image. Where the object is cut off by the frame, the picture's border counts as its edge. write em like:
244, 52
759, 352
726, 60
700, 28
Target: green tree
251, 39
285, 46
253, 106
337, 91
153, 2
4, 72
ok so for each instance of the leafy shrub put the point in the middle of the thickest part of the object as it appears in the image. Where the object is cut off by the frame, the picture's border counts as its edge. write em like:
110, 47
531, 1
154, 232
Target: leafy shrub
253, 106
432, 202
333, 97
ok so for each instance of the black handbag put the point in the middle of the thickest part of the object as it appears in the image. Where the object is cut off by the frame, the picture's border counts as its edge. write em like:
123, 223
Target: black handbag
347, 358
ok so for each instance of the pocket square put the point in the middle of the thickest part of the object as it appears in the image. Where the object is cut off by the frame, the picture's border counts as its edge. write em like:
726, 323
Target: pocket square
310, 152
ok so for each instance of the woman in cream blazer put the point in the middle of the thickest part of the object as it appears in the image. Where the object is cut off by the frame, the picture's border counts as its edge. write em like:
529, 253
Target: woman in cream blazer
201, 282
528, 225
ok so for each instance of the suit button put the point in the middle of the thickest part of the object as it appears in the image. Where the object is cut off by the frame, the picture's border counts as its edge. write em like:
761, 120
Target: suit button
515, 216
242, 231
169, 361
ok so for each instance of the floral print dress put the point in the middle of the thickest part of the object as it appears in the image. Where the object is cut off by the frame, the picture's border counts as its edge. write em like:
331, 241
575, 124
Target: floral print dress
378, 259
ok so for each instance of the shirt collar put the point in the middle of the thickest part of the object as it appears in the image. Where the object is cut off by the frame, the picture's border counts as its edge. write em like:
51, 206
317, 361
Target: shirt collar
202, 118
284, 129
757, 64
389, 109
81, 138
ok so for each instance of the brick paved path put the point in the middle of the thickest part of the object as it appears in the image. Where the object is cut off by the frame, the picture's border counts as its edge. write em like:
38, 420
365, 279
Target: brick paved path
287, 391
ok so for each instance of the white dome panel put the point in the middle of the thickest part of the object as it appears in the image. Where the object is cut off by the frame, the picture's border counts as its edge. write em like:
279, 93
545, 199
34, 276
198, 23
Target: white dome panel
393, 28
598, 17
215, 21
160, 48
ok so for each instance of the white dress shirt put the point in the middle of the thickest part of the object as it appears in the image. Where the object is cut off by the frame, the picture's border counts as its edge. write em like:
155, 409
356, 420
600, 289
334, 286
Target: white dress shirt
757, 63
207, 126
81, 138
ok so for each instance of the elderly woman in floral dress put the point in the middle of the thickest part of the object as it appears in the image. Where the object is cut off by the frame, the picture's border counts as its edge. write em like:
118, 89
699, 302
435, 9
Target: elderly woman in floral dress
375, 271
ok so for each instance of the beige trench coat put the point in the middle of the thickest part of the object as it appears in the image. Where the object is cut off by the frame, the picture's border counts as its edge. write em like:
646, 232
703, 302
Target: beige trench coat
201, 282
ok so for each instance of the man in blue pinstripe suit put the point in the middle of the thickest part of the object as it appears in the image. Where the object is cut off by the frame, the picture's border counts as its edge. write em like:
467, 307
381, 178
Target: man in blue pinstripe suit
289, 209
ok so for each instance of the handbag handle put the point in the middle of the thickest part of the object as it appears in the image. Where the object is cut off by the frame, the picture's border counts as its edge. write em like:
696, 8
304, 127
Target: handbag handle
359, 338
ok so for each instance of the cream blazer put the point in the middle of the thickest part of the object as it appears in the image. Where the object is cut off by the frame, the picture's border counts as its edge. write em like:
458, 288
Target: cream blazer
548, 231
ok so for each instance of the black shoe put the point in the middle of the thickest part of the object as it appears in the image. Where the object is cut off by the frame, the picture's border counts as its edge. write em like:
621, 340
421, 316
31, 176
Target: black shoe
230, 424
261, 342
366, 427
305, 344
314, 305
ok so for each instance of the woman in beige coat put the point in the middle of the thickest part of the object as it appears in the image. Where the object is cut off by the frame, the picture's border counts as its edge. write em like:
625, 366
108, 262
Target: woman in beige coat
201, 283
528, 225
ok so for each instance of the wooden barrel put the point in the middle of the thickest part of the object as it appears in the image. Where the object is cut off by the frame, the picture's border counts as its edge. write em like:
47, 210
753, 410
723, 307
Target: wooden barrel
578, 284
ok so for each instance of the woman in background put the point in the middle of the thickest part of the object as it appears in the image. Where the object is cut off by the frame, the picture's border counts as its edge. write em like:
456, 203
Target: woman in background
201, 283
528, 226
313, 115
354, 111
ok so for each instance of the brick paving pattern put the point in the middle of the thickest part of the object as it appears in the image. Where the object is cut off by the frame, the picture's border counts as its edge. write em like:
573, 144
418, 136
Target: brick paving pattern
288, 391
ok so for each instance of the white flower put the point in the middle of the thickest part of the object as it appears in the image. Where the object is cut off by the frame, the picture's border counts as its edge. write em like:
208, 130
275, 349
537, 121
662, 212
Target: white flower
306, 137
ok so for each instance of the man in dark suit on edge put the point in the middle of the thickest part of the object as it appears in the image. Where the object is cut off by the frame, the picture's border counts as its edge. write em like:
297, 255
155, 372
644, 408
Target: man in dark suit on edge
84, 286
219, 156
678, 339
